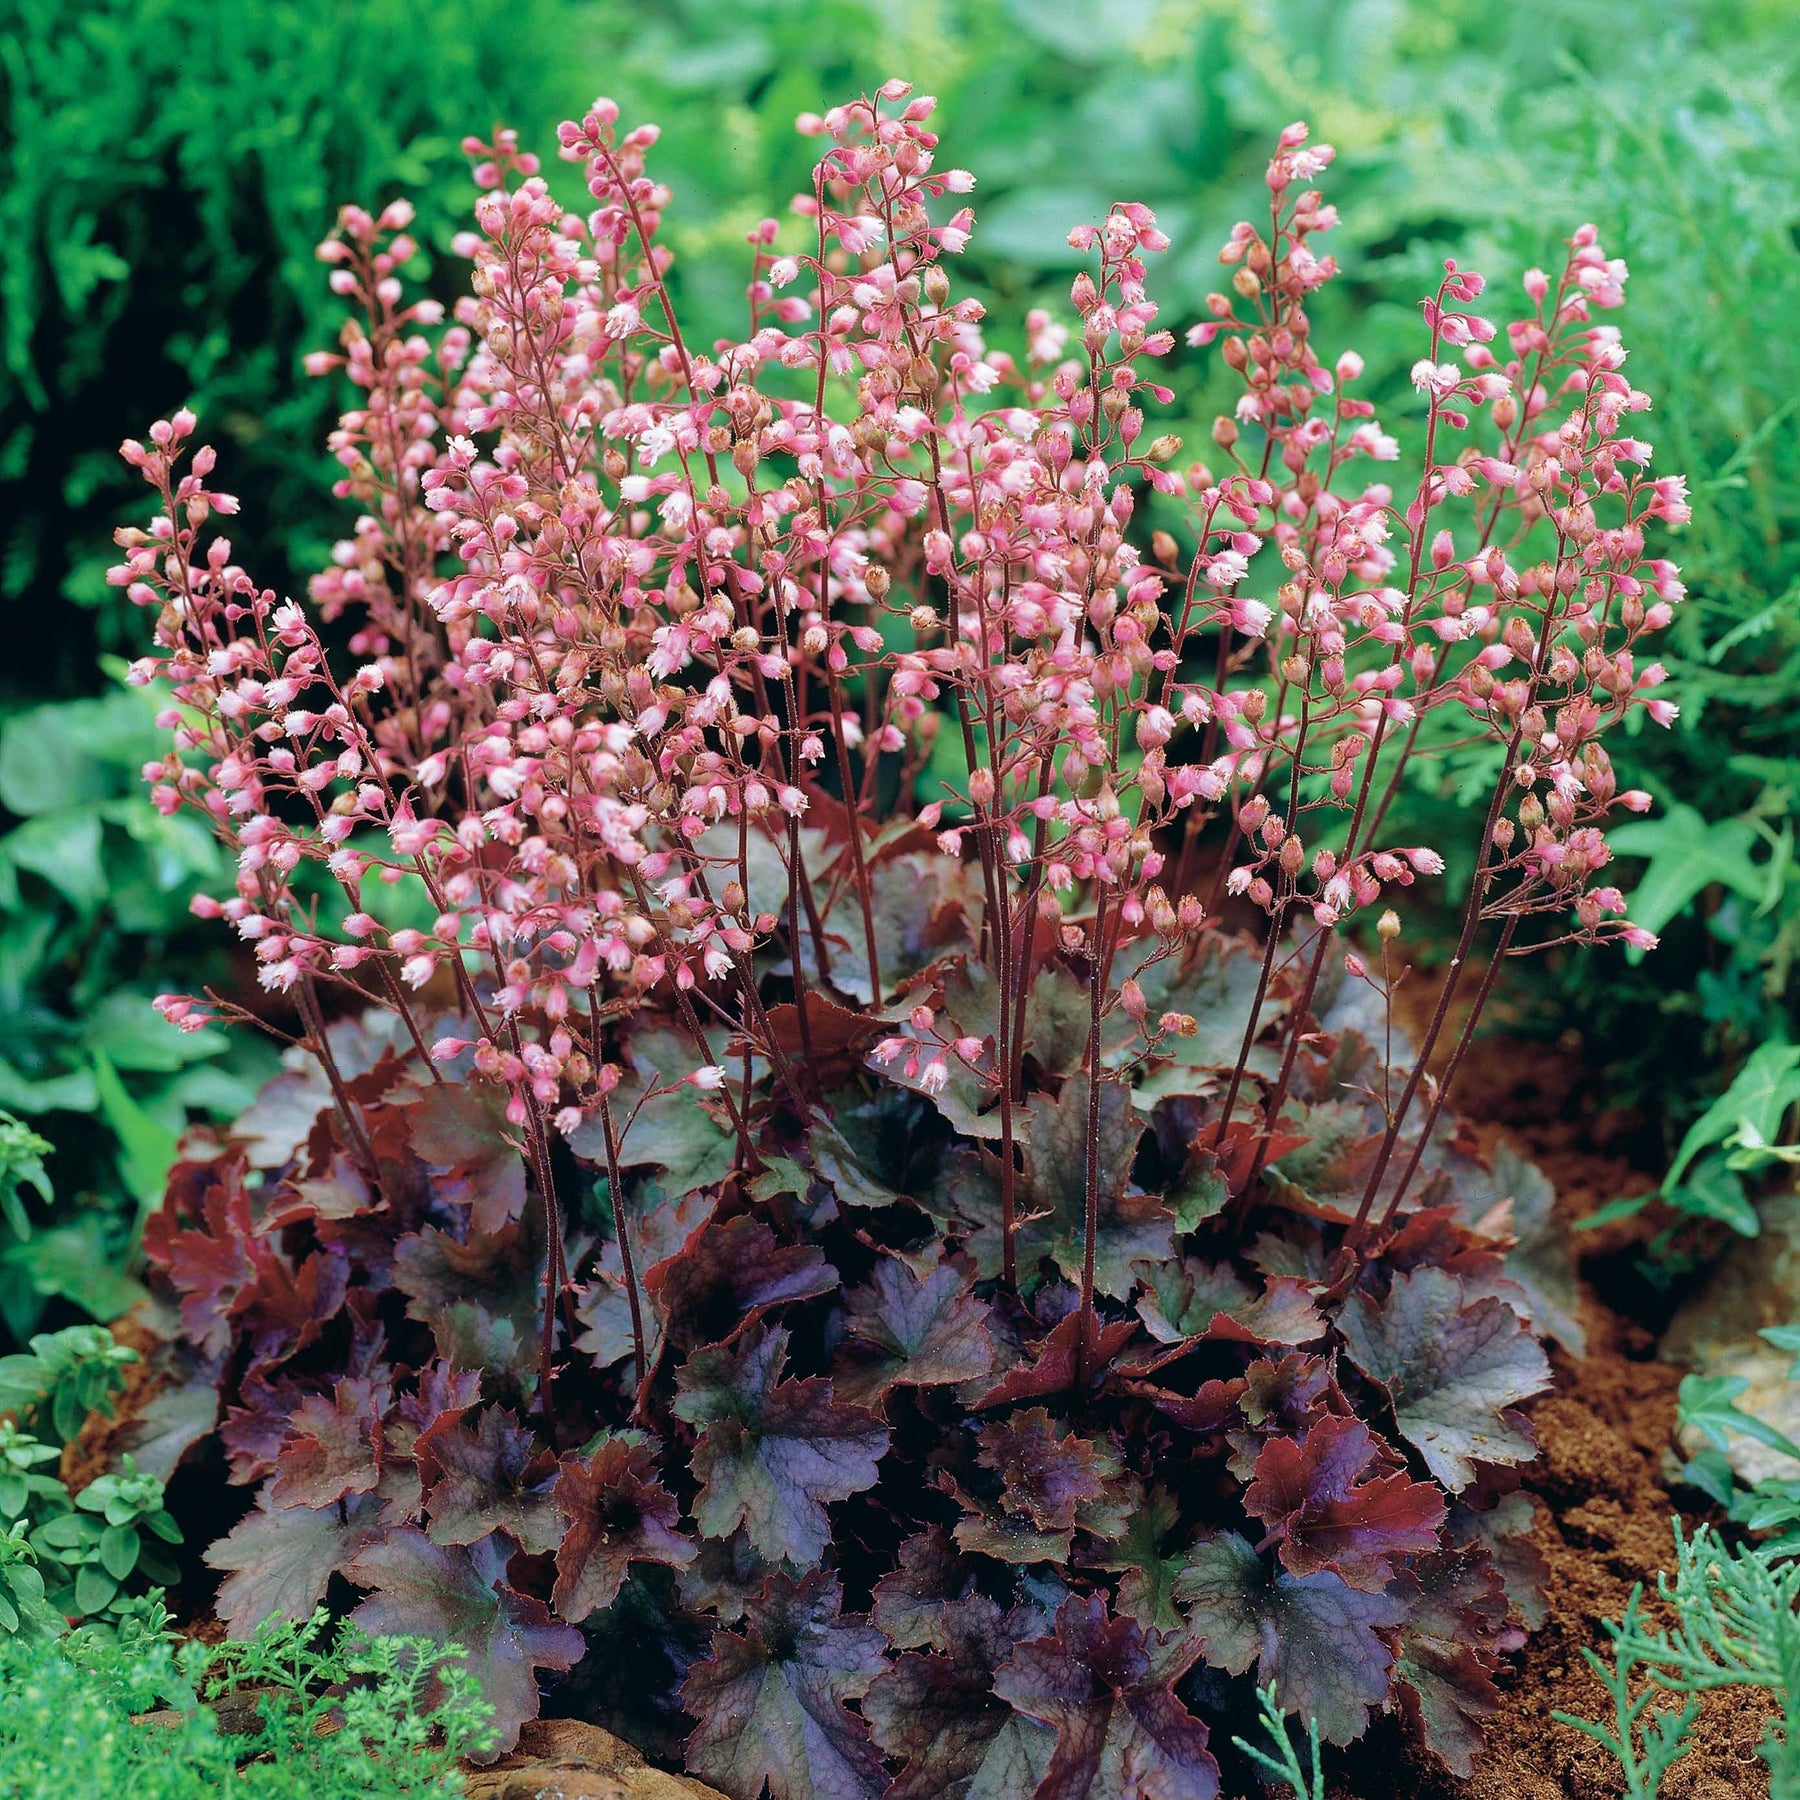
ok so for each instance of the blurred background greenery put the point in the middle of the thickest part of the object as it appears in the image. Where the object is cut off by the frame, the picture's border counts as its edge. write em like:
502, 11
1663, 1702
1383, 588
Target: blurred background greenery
166, 167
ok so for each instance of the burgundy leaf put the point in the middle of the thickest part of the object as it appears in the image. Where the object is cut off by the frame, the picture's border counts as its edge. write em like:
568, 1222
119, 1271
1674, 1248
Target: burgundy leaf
1505, 1528
1316, 1638
771, 1453
480, 1297
1207, 1412
1195, 1299
1331, 1149
940, 1715
1073, 1358
177, 1417
343, 1192
460, 1130
278, 1561
1312, 1493
909, 1330
441, 1389
1050, 1479
770, 1700
210, 1264
1452, 1369
460, 1596
1280, 1399
909, 1603
330, 1450
287, 1308
987, 1530
496, 1476
726, 1276
1287, 1395
254, 1430
1107, 1691
1433, 1238
1448, 1651
279, 1120
723, 1577
617, 1513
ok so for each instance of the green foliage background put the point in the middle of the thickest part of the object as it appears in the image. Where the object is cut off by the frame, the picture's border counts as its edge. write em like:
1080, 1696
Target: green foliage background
166, 167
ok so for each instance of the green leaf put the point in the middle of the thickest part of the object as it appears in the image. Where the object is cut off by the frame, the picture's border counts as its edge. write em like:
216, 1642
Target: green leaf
95, 1590
74, 1092
69, 1532
1766, 1086
163, 1524
65, 849
1708, 1404
131, 1034
1627, 1208
1686, 855
1784, 1337
61, 756
119, 1551
1714, 1191
146, 1148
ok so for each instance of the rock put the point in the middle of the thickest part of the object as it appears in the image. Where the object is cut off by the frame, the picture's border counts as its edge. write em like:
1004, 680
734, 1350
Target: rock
562, 1759
1756, 1284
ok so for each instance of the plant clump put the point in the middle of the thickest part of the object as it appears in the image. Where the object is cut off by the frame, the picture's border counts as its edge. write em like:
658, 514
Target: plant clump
846, 1181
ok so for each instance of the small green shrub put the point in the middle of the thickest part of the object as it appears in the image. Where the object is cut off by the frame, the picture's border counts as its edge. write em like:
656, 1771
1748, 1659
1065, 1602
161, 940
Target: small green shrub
1306, 1780
65, 1376
1735, 1627
337, 1716
87, 1555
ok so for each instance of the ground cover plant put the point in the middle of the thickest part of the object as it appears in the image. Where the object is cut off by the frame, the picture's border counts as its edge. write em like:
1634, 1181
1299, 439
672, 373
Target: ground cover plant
300, 1712
845, 1128
1734, 1626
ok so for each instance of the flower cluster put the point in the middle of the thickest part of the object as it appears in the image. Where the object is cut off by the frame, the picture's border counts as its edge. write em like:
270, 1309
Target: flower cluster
884, 713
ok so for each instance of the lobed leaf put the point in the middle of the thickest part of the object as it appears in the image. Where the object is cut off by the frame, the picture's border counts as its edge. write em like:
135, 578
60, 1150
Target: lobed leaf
615, 1513
772, 1453
1318, 1641
911, 1329
770, 1699
1107, 1691
496, 1476
1317, 1497
1452, 1370
459, 1595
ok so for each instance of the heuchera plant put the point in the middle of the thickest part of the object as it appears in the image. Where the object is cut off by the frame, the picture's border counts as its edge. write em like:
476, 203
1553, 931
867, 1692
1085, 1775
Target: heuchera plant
823, 1194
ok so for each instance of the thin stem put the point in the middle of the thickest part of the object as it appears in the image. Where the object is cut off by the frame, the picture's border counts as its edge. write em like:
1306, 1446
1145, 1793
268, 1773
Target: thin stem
616, 1182
1456, 1056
